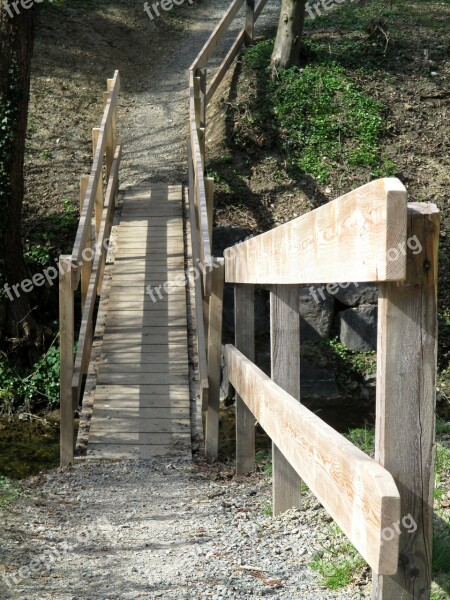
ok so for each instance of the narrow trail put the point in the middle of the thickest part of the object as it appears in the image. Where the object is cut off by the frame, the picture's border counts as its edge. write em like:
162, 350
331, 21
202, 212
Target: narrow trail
155, 132
122, 530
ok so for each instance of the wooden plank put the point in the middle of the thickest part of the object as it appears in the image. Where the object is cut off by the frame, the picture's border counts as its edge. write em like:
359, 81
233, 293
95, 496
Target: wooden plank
142, 403
119, 452
98, 202
116, 424
105, 410
285, 365
87, 264
85, 337
67, 340
200, 324
356, 491
96, 173
214, 360
116, 319
406, 384
151, 361
136, 438
222, 27
141, 378
244, 320
223, 69
348, 239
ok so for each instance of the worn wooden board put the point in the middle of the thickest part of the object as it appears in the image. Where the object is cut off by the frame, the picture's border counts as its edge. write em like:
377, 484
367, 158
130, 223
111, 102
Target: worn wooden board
356, 491
346, 240
142, 405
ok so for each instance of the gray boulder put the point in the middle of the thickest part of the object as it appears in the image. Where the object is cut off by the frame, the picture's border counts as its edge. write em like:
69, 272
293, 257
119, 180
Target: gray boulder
358, 328
316, 314
357, 293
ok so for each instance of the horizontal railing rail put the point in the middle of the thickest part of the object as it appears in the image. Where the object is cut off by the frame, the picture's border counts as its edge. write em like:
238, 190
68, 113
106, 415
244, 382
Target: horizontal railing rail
84, 268
361, 237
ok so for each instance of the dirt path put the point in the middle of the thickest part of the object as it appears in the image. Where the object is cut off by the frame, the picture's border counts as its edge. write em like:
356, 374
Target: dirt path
155, 132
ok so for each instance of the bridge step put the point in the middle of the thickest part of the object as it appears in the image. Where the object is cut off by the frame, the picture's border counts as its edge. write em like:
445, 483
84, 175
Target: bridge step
141, 407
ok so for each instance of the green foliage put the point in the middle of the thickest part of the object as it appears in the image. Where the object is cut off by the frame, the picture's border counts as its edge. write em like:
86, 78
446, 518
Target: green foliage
267, 509
363, 438
441, 550
337, 563
327, 124
30, 392
324, 125
359, 362
9, 491
38, 255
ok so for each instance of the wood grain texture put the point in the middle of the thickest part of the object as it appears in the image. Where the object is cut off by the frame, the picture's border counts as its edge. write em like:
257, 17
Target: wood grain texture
142, 405
285, 365
94, 179
214, 360
244, 326
356, 491
406, 384
67, 340
345, 240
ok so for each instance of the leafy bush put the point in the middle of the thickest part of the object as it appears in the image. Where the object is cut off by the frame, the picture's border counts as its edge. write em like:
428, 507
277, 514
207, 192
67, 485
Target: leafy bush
32, 391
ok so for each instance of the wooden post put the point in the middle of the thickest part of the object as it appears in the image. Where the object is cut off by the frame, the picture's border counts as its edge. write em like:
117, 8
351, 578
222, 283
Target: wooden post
111, 133
285, 352
209, 189
86, 269
99, 193
214, 359
66, 327
250, 22
244, 322
406, 384
200, 109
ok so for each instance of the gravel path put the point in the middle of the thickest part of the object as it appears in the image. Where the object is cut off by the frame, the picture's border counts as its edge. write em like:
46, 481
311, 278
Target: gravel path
153, 529
154, 132
126, 530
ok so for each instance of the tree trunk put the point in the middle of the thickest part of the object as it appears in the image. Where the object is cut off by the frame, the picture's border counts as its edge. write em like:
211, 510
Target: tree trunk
286, 52
16, 47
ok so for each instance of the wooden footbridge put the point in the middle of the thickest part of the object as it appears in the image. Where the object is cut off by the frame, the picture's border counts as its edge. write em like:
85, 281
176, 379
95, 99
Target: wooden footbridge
153, 284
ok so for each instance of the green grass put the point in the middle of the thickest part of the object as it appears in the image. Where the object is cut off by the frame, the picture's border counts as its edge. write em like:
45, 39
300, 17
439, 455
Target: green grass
9, 491
318, 117
338, 563
363, 439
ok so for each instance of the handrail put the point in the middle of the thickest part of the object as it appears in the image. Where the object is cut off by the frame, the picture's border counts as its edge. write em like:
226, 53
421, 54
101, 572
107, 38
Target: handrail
363, 236
86, 265
208, 298
347, 239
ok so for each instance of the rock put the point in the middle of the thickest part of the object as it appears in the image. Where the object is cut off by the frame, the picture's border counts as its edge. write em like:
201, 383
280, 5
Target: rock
358, 293
358, 328
316, 315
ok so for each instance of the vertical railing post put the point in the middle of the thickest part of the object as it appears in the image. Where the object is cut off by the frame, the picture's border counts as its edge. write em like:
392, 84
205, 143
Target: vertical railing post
110, 146
214, 358
87, 264
406, 384
285, 354
202, 75
244, 323
250, 22
66, 327
209, 189
99, 190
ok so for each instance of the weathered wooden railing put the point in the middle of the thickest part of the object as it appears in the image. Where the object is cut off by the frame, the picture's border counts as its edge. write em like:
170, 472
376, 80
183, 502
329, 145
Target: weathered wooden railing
209, 290
363, 236
85, 266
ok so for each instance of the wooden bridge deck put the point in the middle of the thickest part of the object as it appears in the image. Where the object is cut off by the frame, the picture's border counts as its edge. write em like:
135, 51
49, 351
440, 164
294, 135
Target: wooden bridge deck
141, 406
